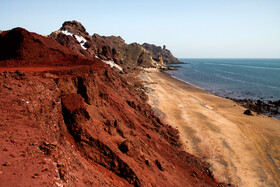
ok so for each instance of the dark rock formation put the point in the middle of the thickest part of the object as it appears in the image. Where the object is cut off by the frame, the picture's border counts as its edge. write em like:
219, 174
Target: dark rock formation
129, 55
68, 35
165, 54
74, 27
107, 48
248, 112
270, 108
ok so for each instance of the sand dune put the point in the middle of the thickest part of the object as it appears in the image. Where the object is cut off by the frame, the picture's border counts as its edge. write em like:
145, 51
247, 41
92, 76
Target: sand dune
242, 150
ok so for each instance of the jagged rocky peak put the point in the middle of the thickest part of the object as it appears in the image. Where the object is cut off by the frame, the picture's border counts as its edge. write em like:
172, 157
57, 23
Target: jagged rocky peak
152, 48
113, 39
73, 35
74, 27
158, 51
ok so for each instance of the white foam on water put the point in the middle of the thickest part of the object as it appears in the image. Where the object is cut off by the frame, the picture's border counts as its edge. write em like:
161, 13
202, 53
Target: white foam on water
245, 66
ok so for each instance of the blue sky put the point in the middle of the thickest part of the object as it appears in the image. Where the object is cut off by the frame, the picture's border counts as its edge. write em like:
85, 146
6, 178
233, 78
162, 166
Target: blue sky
192, 29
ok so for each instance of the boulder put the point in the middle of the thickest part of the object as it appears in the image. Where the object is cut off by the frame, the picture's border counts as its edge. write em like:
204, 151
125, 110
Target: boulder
248, 112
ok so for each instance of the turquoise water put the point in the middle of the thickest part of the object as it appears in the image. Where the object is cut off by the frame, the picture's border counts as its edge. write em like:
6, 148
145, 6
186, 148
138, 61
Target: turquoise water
234, 78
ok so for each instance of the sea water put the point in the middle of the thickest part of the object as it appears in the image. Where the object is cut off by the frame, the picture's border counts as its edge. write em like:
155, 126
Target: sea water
256, 79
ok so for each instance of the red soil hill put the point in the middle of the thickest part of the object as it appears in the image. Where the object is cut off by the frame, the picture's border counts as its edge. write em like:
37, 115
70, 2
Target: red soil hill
84, 126
18, 47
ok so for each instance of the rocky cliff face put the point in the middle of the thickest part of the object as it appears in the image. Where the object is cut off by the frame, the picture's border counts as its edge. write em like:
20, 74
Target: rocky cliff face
74, 36
107, 48
158, 53
84, 125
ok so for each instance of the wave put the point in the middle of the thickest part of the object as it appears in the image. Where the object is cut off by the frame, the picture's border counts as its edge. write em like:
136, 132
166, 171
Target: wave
255, 67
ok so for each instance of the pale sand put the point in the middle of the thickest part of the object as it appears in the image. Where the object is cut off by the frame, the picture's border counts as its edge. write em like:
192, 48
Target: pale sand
242, 150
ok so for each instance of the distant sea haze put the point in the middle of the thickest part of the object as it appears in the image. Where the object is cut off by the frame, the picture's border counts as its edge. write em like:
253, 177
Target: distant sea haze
256, 79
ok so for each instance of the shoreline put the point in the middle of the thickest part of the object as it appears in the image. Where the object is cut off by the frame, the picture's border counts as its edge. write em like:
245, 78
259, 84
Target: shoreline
259, 106
242, 150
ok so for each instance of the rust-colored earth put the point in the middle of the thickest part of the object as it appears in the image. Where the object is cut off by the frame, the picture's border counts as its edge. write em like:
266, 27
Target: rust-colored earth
68, 121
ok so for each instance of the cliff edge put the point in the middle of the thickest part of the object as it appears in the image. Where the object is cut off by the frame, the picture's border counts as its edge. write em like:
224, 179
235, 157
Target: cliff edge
78, 122
158, 53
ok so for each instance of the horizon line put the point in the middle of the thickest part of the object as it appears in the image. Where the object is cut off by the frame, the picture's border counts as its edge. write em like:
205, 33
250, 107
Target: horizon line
228, 57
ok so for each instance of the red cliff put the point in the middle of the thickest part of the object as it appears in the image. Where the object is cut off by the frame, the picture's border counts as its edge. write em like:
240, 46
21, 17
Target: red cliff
82, 125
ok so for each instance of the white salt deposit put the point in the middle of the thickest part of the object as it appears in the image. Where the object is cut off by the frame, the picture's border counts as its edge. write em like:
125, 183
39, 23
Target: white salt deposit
80, 39
67, 33
113, 64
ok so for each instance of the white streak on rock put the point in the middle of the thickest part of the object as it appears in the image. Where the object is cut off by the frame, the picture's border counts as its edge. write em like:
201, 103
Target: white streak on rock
113, 64
80, 39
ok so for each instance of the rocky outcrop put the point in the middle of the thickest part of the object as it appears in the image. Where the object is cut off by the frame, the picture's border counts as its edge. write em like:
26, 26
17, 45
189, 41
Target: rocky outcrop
86, 126
270, 108
74, 27
73, 35
160, 53
248, 112
106, 48
129, 55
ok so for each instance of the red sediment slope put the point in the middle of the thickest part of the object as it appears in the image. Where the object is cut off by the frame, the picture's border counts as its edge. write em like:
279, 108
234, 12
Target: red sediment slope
83, 126
18, 47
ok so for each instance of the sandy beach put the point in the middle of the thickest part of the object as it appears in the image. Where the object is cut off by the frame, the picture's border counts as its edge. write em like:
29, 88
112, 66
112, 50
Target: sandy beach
241, 150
